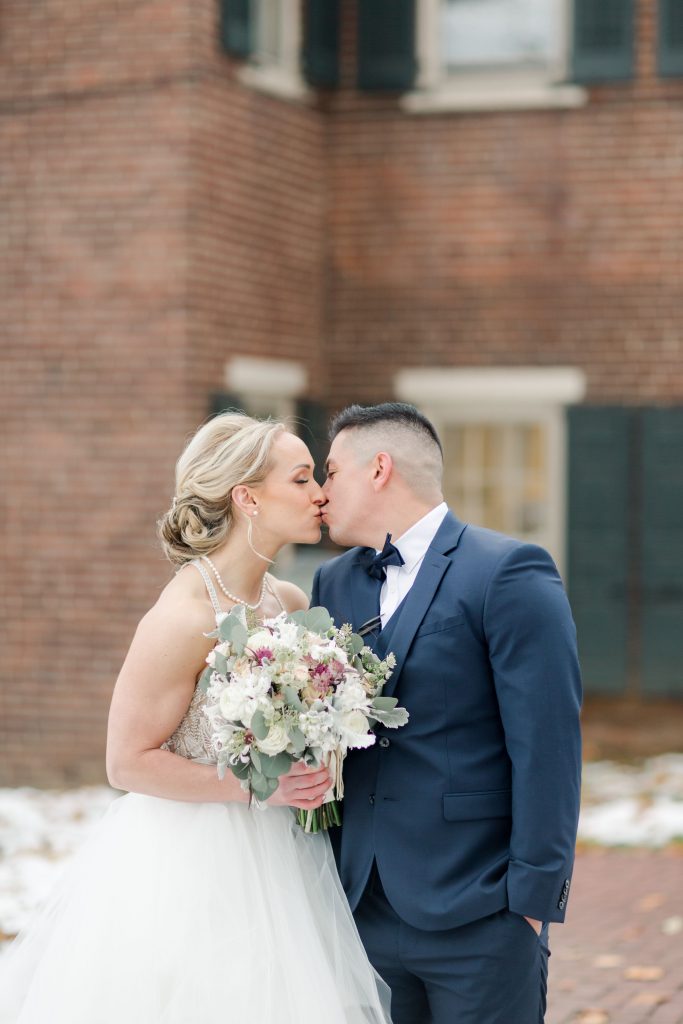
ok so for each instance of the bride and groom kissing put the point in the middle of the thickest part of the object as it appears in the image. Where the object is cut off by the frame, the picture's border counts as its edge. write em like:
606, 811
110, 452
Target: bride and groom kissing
432, 901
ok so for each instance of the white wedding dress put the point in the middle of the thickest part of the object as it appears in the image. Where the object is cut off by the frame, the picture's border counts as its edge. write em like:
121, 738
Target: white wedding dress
193, 913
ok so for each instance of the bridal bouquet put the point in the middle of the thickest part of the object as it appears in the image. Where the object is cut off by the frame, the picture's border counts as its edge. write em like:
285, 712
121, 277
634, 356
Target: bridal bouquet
293, 688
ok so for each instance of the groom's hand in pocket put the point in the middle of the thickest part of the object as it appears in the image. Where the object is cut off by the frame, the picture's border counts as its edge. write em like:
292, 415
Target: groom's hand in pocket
302, 787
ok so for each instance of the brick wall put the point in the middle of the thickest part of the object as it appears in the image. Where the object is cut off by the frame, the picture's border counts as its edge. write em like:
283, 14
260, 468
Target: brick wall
150, 229
511, 238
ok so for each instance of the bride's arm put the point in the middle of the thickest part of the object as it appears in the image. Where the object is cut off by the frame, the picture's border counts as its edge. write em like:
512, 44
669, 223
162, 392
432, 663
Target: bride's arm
152, 693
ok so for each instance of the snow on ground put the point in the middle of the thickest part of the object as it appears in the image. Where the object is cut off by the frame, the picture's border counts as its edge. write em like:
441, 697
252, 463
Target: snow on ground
633, 805
39, 830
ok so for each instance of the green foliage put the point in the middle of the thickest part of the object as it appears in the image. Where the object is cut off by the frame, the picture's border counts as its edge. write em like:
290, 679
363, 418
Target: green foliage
317, 620
233, 629
205, 679
259, 726
273, 767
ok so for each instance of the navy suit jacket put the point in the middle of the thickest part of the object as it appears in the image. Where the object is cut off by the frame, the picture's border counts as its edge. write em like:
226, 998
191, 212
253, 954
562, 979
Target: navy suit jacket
473, 805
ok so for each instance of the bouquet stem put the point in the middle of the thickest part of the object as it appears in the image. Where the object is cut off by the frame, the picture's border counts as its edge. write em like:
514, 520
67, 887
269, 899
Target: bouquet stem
321, 819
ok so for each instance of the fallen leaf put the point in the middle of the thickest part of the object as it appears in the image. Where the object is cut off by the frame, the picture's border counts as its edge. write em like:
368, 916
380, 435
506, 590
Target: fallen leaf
608, 960
639, 972
651, 901
650, 999
672, 925
592, 1017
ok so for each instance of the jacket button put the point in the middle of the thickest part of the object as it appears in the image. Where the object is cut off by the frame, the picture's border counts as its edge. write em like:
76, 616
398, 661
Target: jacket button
385, 742
561, 905
371, 798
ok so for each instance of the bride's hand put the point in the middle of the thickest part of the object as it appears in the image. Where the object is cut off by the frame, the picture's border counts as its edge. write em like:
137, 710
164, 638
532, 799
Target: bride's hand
302, 787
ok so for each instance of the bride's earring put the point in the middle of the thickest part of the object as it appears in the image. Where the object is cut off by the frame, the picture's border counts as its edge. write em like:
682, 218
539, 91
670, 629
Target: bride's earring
250, 542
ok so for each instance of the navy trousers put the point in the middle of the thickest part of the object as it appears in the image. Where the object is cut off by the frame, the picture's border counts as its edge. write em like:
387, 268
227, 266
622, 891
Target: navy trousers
491, 971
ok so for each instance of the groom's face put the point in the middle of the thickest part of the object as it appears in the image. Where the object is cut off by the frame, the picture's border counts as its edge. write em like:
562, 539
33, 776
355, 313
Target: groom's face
349, 493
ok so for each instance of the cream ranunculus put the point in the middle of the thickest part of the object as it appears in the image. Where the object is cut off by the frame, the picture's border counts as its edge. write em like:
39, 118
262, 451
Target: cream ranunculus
262, 638
276, 740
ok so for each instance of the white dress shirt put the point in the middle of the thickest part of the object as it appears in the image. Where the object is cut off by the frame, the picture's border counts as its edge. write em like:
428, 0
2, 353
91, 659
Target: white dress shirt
413, 547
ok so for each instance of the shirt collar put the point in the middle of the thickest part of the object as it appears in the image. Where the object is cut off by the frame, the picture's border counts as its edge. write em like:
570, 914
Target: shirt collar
414, 542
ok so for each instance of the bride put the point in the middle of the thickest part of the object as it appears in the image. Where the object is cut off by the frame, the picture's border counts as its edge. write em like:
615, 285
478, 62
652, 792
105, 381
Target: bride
185, 906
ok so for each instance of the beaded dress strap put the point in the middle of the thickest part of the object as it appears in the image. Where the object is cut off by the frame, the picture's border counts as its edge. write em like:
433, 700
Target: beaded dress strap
274, 592
209, 586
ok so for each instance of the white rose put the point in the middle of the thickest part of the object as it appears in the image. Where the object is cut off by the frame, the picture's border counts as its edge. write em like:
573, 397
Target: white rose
276, 741
231, 702
353, 728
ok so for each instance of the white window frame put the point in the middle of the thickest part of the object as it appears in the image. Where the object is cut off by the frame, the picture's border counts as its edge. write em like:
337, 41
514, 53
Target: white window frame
282, 78
266, 385
438, 90
506, 395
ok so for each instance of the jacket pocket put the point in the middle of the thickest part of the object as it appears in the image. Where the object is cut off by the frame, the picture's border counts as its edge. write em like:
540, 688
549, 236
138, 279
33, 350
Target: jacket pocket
437, 625
491, 803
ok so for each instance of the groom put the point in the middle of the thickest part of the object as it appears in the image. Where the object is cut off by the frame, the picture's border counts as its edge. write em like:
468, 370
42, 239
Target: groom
457, 845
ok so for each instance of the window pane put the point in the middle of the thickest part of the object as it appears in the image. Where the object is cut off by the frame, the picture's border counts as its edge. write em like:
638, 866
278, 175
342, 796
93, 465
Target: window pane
497, 475
491, 33
268, 15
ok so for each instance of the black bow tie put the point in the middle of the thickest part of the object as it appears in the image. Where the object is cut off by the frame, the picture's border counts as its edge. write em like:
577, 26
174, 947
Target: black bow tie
375, 564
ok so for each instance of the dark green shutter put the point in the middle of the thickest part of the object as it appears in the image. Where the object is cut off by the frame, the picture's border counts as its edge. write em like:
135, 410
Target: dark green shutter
312, 422
222, 401
603, 40
236, 27
386, 45
662, 552
598, 567
670, 16
321, 43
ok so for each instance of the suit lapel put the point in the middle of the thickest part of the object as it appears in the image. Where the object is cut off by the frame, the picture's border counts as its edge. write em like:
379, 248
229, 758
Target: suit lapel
421, 594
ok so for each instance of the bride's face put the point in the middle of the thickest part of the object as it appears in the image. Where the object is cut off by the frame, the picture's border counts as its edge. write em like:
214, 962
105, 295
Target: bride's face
289, 499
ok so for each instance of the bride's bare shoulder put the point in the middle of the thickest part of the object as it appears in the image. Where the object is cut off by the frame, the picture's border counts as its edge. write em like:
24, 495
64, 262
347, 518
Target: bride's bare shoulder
184, 604
292, 597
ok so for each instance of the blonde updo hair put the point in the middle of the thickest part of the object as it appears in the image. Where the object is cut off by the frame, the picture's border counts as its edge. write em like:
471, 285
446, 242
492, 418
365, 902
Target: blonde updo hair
230, 449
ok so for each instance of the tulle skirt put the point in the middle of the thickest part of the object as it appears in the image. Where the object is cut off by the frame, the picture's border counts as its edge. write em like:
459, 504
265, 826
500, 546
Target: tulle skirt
180, 913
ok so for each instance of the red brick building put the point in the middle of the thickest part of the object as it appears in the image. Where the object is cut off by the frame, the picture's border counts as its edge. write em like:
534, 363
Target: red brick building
299, 205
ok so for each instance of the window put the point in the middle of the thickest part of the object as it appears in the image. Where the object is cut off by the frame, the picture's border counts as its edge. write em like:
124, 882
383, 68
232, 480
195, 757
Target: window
487, 54
500, 33
266, 387
497, 474
504, 439
273, 34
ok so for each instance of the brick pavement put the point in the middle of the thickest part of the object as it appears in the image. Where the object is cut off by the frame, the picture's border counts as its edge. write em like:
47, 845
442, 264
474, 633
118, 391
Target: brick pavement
624, 917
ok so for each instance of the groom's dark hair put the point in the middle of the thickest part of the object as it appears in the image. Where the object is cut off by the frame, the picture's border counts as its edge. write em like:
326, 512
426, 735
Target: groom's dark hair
399, 413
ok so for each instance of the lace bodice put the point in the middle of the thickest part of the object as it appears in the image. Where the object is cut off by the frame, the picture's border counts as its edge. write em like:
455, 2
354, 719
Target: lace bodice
192, 737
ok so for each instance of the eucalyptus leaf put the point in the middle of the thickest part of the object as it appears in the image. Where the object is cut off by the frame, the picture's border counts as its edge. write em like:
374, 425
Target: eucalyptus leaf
298, 740
258, 784
205, 679
220, 663
255, 758
275, 766
258, 725
355, 643
317, 620
233, 629
292, 699
241, 770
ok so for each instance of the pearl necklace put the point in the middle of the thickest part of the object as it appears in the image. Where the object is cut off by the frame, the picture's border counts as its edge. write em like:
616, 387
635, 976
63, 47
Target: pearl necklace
237, 600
